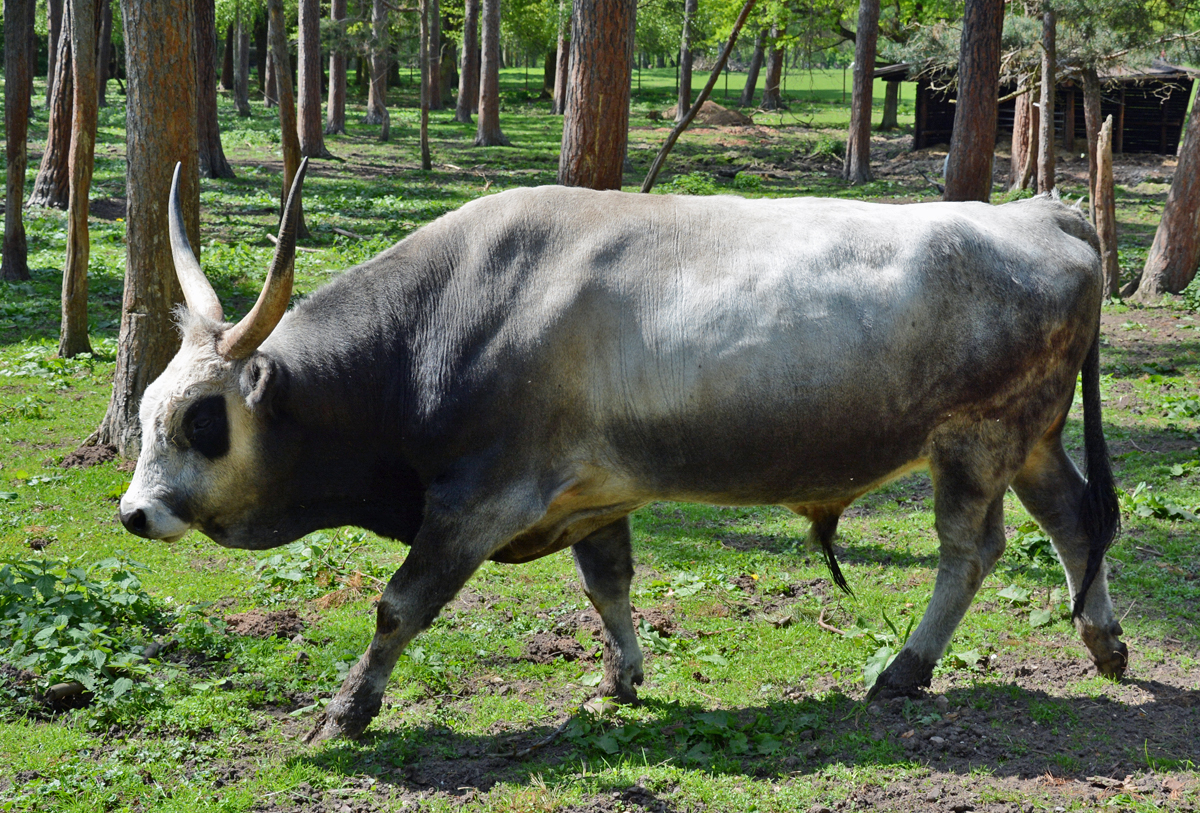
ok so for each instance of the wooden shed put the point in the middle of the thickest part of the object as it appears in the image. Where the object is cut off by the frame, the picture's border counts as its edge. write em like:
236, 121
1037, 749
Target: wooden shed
1148, 106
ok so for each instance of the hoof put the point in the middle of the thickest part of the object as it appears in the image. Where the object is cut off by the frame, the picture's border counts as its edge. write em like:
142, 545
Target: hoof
1113, 666
625, 695
906, 677
332, 725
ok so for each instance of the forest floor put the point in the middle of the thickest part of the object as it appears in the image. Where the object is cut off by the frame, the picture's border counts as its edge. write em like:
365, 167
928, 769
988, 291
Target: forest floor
755, 693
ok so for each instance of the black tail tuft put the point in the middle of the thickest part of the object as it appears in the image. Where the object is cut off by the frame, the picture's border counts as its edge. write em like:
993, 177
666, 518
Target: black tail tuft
1100, 513
822, 531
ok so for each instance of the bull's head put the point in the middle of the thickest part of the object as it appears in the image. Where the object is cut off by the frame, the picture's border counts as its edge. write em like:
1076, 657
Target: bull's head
200, 465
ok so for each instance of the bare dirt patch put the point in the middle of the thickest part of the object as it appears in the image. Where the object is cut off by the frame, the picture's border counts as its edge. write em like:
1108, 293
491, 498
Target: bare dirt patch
87, 456
259, 624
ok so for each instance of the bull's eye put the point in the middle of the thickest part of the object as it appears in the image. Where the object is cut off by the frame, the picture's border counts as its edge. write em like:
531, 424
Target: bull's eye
206, 427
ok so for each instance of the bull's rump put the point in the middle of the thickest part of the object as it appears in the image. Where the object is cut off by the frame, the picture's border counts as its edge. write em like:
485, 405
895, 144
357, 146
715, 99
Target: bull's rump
776, 350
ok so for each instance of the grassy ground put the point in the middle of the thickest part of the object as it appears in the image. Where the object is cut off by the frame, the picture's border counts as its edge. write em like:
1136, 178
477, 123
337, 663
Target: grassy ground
754, 693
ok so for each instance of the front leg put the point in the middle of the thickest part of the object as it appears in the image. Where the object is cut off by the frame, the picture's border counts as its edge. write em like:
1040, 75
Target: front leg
604, 560
453, 541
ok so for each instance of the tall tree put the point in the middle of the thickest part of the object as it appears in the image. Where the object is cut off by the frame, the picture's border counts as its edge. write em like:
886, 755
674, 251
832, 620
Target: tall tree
1105, 213
857, 168
1024, 140
227, 59
18, 73
311, 128
160, 130
433, 49
1091, 125
891, 106
596, 124
335, 121
212, 155
1175, 252
50, 186
104, 52
468, 77
54, 21
289, 139
377, 96
73, 336
756, 61
487, 133
772, 98
1046, 154
241, 67
563, 57
973, 142
423, 42
684, 102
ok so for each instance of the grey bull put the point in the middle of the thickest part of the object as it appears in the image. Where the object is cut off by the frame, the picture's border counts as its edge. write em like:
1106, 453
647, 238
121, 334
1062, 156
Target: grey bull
518, 376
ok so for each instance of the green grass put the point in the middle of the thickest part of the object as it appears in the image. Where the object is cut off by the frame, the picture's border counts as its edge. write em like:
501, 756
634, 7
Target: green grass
222, 732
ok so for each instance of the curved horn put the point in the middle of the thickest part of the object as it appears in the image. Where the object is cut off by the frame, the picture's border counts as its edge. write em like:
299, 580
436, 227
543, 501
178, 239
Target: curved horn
244, 338
197, 291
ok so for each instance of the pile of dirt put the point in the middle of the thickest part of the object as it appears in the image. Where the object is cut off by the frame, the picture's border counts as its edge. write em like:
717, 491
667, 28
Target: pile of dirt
87, 456
713, 115
259, 624
547, 648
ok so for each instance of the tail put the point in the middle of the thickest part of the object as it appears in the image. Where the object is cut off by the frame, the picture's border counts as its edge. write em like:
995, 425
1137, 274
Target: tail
822, 532
1099, 511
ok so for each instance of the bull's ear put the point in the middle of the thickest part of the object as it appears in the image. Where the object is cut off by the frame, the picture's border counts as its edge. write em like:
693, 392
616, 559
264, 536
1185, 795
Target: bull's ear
262, 383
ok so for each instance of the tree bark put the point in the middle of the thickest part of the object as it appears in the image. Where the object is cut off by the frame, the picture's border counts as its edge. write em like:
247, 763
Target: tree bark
289, 140
73, 335
684, 102
425, 46
160, 130
857, 168
270, 88
563, 57
891, 107
449, 68
1022, 136
51, 186
18, 73
596, 123
1091, 123
1175, 252
756, 61
104, 53
212, 155
335, 122
487, 133
1106, 211
311, 129
468, 77
377, 96
261, 35
549, 67
54, 21
227, 59
1029, 170
241, 68
1046, 154
433, 72
772, 98
973, 140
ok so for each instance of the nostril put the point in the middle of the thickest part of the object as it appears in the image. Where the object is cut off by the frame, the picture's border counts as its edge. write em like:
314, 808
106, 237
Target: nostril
134, 521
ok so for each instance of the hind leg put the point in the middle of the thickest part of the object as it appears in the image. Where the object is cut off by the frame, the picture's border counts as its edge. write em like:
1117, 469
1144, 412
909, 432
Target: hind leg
604, 560
1051, 488
970, 527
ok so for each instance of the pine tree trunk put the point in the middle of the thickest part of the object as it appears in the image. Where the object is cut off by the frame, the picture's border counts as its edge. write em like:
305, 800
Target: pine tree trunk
1091, 123
73, 335
562, 59
212, 155
433, 71
270, 88
54, 21
772, 99
548, 72
104, 53
1029, 171
261, 32
1046, 154
973, 140
857, 168
425, 46
335, 122
1106, 211
160, 131
289, 140
1022, 134
684, 101
311, 128
51, 186
1171, 263
487, 133
468, 76
377, 96
891, 107
18, 74
227, 59
596, 124
241, 68
449, 68
756, 61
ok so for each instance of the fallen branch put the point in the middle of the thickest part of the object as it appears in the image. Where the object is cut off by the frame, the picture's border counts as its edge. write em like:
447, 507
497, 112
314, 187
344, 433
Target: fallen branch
275, 240
661, 158
542, 743
821, 623
348, 233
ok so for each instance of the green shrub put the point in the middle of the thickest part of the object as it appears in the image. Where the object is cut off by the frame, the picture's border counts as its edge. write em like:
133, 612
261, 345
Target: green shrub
694, 183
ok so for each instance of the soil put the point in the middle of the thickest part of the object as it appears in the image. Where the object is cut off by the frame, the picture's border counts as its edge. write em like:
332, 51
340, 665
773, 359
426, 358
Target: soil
712, 114
87, 456
259, 624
